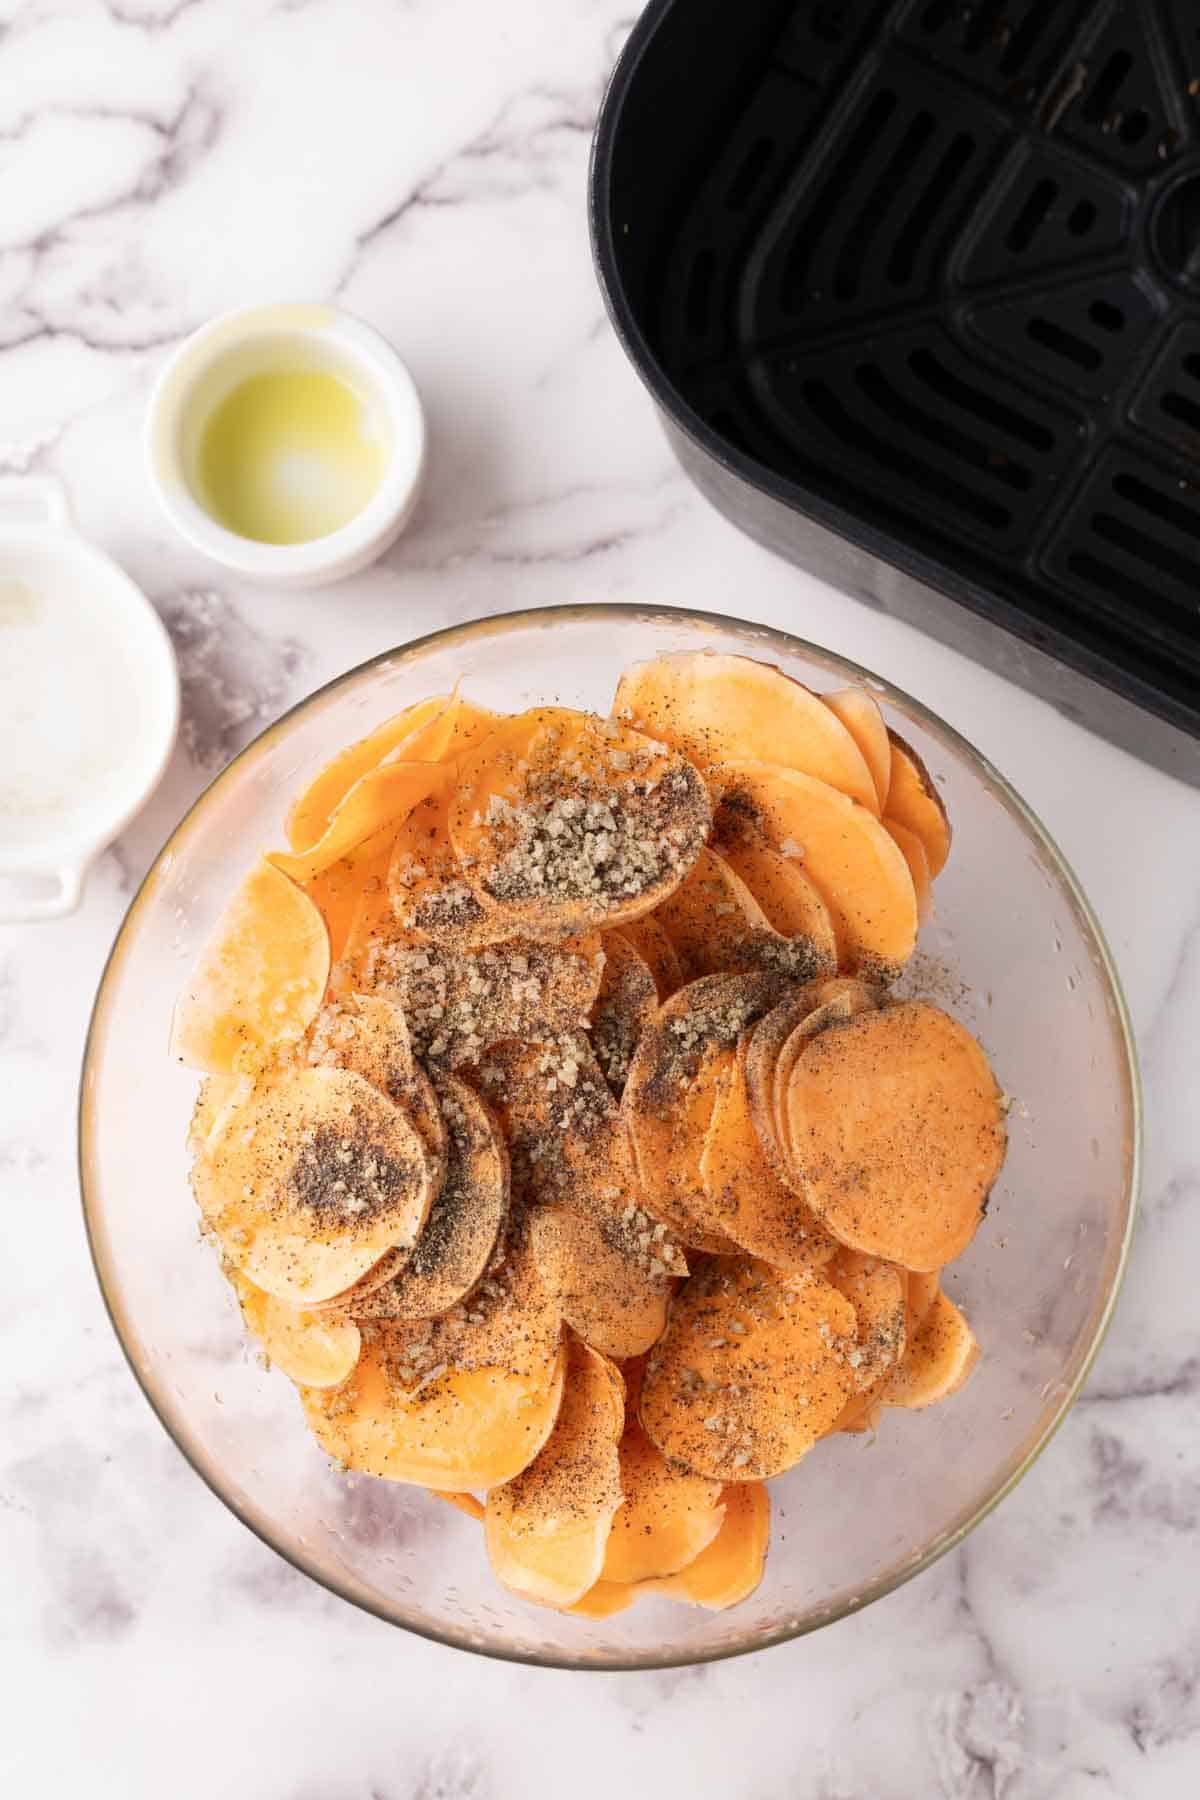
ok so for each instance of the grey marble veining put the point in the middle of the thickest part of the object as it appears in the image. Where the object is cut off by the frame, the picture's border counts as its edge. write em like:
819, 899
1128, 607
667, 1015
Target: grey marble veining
424, 160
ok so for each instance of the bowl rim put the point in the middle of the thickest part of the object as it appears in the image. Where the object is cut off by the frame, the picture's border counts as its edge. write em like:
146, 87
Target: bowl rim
493, 624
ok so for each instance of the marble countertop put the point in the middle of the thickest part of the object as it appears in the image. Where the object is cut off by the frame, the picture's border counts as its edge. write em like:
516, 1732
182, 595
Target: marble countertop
424, 162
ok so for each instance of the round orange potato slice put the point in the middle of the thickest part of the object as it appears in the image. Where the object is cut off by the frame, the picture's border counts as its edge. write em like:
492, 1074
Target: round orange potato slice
709, 917
670, 1515
757, 1210
913, 800
431, 899
896, 1129
341, 891
259, 982
913, 852
450, 1431
624, 1006
310, 813
656, 950
671, 1092
546, 1530
217, 1093
833, 1001
792, 905
562, 820
861, 716
764, 1048
921, 1290
714, 707
603, 1600
729, 1569
311, 1180
855, 864
313, 1349
383, 797
877, 1291
368, 1033
751, 1371
459, 1003
937, 1362
465, 1220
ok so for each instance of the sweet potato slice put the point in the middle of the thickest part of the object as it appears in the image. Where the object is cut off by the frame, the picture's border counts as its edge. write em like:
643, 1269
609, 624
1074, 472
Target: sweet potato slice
896, 1128
603, 1599
751, 1371
670, 1515
608, 1265
709, 917
853, 862
729, 1569
460, 1003
937, 1362
792, 905
311, 1180
921, 1290
309, 816
431, 899
624, 1006
913, 800
755, 1208
861, 716
563, 820
383, 797
714, 707
313, 1349
546, 1530
463, 1503
259, 981
217, 1092
764, 1048
913, 852
877, 1292
833, 1002
465, 1220
657, 952
672, 1090
450, 1431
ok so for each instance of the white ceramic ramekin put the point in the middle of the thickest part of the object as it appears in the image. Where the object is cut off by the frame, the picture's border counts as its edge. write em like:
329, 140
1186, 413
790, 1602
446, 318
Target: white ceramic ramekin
90, 691
239, 344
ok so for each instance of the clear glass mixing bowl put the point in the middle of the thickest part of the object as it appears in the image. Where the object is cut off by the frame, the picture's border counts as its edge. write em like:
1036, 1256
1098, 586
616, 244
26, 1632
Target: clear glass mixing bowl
1014, 951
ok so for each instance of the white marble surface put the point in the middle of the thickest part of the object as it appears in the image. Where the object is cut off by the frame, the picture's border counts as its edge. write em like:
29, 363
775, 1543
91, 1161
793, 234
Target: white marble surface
424, 161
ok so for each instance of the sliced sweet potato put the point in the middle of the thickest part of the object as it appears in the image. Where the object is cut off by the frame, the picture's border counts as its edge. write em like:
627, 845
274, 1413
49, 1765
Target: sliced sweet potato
313, 1349
464, 1503
447, 736
465, 1220
657, 952
729, 1569
259, 982
562, 820
853, 862
714, 707
607, 1264
896, 1129
672, 1090
861, 716
709, 917
546, 1530
309, 816
755, 1208
937, 1362
670, 1515
431, 899
764, 1048
311, 1180
460, 1003
913, 800
833, 1001
217, 1092
877, 1292
603, 1599
383, 797
792, 905
921, 1290
752, 1369
913, 852
625, 1004
451, 1430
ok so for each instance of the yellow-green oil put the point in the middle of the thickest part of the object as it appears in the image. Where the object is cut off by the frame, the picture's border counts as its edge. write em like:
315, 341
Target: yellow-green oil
288, 456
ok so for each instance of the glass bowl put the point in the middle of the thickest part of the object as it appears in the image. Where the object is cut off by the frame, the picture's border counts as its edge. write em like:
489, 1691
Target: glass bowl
1015, 952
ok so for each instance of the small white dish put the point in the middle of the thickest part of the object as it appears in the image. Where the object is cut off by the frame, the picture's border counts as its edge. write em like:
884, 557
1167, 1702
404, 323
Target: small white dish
89, 701
253, 340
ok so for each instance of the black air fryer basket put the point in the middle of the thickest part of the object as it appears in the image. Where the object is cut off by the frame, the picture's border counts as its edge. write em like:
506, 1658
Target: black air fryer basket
916, 286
